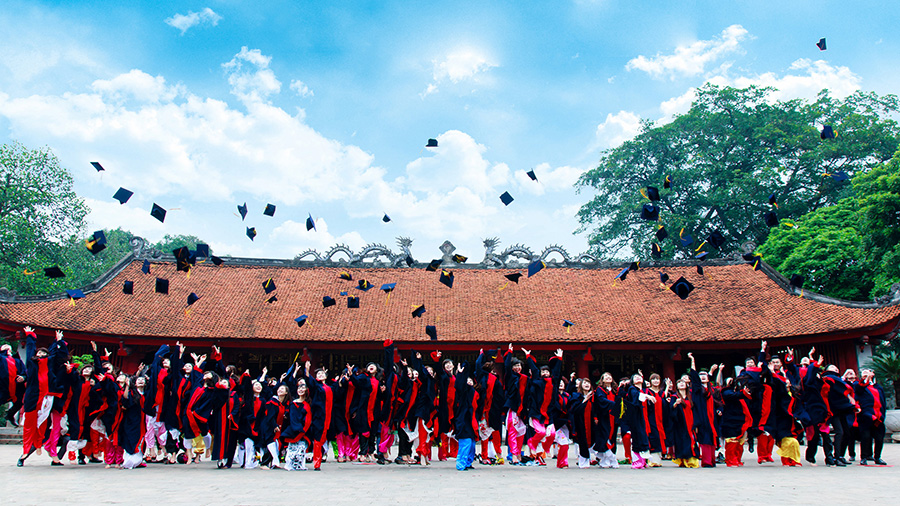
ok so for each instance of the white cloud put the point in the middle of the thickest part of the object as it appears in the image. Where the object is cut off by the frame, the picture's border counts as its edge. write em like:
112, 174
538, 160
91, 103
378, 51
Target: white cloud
459, 66
294, 235
250, 77
616, 129
692, 59
301, 89
185, 22
136, 85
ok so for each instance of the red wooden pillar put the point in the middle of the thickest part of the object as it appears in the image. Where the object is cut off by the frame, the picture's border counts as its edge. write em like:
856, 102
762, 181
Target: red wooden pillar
668, 364
581, 367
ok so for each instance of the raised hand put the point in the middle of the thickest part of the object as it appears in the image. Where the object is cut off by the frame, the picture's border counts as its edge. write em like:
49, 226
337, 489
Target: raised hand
59, 335
559, 352
510, 347
106, 352
763, 348
29, 329
93, 346
527, 352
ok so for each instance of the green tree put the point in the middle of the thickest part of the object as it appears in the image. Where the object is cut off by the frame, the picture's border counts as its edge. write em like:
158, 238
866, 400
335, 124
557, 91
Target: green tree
39, 212
879, 218
725, 156
172, 242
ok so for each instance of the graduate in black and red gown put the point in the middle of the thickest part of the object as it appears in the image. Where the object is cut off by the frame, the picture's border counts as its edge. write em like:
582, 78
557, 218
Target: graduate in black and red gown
489, 376
423, 409
321, 401
870, 418
157, 395
542, 401
446, 380
635, 416
516, 386
687, 453
132, 422
608, 423
12, 381
362, 409
296, 428
223, 425
389, 391
271, 424
702, 395
38, 396
736, 420
656, 420
815, 413
781, 424
465, 415
251, 414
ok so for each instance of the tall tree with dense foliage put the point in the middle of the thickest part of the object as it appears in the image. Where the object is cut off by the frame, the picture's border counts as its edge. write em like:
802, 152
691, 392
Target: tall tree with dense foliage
725, 157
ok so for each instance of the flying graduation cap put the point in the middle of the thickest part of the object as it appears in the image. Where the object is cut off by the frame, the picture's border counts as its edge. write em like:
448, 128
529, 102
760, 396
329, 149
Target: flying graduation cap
686, 240
567, 324
418, 311
652, 193
460, 259
386, 218
270, 210
74, 295
346, 276
432, 143
446, 278
158, 212
797, 281
128, 287
535, 267
96, 243
514, 277
663, 277
622, 274
433, 265
773, 201
269, 285
682, 288
145, 268
668, 182
827, 132
98, 166
840, 176
202, 250
272, 299
650, 212
243, 210
216, 260
192, 298
162, 286
353, 302
251, 232
310, 223
771, 219
363, 285
506, 198
301, 320
122, 195
716, 239
431, 332
656, 250
328, 301
388, 287
821, 44
54, 272
661, 233
532, 175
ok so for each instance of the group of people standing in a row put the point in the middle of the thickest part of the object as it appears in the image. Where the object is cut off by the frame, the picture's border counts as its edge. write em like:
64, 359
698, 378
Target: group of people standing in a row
176, 409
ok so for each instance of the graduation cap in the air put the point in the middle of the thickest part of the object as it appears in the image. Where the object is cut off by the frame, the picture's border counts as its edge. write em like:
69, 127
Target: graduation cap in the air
821, 44
506, 198
663, 277
145, 268
97, 166
447, 278
716, 239
75, 294
182, 253
431, 331
162, 286
128, 287
532, 175
686, 240
567, 324
346, 276
702, 256
827, 133
54, 272
432, 143
682, 288
192, 298
753, 259
773, 201
661, 233
535, 267
433, 265
622, 274
668, 182
771, 219
656, 250
251, 232
310, 223
122, 195
272, 299
386, 218
460, 259
243, 210
158, 212
269, 285
514, 277
840, 176
328, 301
270, 210
216, 260
700, 270
797, 281
363, 285
650, 212
634, 266
388, 287
301, 320
202, 250
418, 311
96, 243
652, 193
352, 302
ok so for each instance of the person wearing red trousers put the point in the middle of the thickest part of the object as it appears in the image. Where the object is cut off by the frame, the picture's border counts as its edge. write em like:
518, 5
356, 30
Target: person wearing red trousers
321, 401
38, 399
766, 420
780, 423
704, 413
736, 420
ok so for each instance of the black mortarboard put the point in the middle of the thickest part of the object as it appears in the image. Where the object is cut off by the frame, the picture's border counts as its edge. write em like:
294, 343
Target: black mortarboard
145, 268
310, 223
635, 266
797, 281
433, 265
700, 270
773, 201
301, 320
567, 324
771, 219
243, 210
328, 301
386, 218
535, 267
840, 176
216, 260
661, 233
352, 302
506, 198
652, 193
269, 285
346, 276
272, 299
650, 212
432, 143
270, 210
827, 132
158, 213
514, 277
363, 285
716, 239
622, 274
75, 294
460, 259
447, 278
128, 287
532, 175
702, 255
202, 250
687, 240
668, 182
388, 287
663, 277
431, 331
821, 44
682, 288
192, 298
96, 243
655, 251
54, 272
162, 286
181, 253
122, 195
97, 166
251, 232
418, 311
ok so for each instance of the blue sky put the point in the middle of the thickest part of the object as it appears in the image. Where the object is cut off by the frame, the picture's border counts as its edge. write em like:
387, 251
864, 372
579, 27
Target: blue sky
325, 107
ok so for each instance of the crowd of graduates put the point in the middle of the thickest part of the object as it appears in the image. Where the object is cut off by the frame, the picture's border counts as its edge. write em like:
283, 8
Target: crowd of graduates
182, 409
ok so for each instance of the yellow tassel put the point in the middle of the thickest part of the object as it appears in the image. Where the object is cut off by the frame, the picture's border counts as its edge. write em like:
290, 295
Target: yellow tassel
698, 247
296, 357
188, 276
71, 302
775, 204
25, 272
644, 194
801, 293
388, 299
504, 286
568, 329
187, 312
681, 233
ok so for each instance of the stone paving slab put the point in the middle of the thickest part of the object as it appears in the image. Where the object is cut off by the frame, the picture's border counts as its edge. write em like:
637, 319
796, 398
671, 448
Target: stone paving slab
362, 484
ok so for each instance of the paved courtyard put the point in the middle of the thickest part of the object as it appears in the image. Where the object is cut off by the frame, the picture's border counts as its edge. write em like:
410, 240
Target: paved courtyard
359, 484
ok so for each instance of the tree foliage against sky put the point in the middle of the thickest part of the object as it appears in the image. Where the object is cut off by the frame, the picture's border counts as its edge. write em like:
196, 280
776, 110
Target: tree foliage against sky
725, 156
